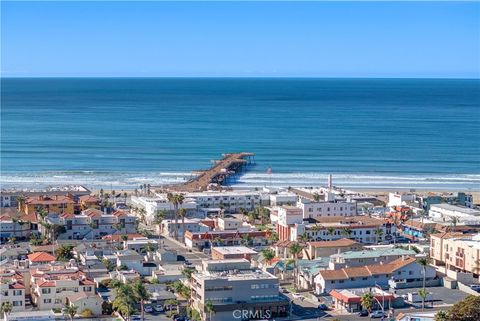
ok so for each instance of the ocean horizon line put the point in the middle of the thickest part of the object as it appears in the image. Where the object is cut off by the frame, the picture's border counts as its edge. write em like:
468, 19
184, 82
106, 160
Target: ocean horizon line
242, 77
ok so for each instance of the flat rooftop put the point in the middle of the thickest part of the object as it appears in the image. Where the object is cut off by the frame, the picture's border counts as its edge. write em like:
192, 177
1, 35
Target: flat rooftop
456, 208
238, 275
231, 250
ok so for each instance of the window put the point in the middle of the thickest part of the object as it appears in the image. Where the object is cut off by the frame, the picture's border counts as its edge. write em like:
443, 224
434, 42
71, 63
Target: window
46, 291
17, 303
17, 292
57, 301
47, 300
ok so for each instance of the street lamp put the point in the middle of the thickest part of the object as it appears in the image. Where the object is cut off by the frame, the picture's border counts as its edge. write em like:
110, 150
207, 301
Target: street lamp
383, 300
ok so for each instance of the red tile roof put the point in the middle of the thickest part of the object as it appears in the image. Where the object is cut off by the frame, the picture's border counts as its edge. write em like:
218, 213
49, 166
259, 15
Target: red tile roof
337, 243
41, 257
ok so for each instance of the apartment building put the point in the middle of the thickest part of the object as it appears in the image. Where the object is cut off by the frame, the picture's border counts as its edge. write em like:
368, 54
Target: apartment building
202, 240
12, 290
233, 287
50, 204
362, 229
92, 224
188, 224
9, 196
313, 209
456, 251
14, 228
401, 273
52, 286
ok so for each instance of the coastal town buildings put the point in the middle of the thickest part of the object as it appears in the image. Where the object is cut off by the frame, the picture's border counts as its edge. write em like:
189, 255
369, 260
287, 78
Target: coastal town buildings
201, 240
319, 249
9, 196
445, 212
232, 252
367, 257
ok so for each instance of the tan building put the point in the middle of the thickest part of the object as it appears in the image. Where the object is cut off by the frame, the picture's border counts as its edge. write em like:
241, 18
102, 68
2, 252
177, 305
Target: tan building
51, 204
456, 251
327, 248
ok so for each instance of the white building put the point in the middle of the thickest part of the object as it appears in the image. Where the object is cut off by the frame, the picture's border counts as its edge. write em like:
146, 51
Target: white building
12, 290
399, 199
445, 212
188, 224
139, 244
152, 205
312, 209
92, 224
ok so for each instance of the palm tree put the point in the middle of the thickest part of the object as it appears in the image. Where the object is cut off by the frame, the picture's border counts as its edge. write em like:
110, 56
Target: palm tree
21, 201
346, 231
366, 210
330, 231
125, 300
176, 200
424, 261
149, 247
366, 301
295, 249
273, 237
268, 255
141, 294
246, 239
454, 221
316, 197
182, 213
304, 237
423, 294
209, 309
69, 310
378, 234
159, 217
6, 307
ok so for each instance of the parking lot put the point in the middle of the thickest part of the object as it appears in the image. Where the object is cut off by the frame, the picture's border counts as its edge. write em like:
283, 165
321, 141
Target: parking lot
441, 295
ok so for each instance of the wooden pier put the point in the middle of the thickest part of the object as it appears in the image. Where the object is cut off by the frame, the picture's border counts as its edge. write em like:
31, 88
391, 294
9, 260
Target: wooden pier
216, 176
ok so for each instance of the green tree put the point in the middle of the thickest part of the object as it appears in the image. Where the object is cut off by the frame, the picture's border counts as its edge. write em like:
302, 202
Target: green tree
294, 250
268, 255
331, 231
423, 294
124, 302
346, 231
367, 301
441, 316
466, 310
69, 310
304, 237
209, 309
423, 262
159, 217
64, 252
6, 308
141, 295
149, 247
378, 234
176, 200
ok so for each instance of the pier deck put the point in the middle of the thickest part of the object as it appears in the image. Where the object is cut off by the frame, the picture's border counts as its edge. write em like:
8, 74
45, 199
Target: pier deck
229, 165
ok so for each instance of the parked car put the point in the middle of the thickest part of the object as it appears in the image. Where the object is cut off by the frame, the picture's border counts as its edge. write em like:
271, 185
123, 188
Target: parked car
135, 318
148, 309
475, 287
323, 307
377, 314
158, 308
363, 313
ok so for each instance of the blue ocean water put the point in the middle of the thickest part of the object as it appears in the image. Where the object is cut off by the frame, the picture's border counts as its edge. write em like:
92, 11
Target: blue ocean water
122, 132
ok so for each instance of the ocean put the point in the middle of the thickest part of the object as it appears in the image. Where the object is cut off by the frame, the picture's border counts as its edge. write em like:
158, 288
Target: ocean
122, 132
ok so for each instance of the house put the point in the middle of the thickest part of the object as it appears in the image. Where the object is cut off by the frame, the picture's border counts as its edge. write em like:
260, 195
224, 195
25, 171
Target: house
228, 223
140, 244
401, 273
89, 201
307, 270
86, 301
40, 258
134, 261
326, 248
232, 252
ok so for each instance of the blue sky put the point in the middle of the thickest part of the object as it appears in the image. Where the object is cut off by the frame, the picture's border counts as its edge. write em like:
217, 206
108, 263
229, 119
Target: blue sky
308, 39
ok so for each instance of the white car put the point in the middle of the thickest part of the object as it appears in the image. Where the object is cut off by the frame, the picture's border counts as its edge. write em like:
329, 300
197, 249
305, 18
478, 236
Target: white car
297, 296
158, 308
148, 309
